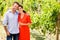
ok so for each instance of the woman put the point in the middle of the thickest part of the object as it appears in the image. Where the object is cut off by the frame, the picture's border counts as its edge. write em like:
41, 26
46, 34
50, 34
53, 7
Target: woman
24, 21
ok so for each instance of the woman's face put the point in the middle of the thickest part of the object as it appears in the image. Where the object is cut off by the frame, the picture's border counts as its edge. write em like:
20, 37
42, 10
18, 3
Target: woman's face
20, 9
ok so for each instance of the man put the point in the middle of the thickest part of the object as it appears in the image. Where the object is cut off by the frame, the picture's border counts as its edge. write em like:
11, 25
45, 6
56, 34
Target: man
11, 22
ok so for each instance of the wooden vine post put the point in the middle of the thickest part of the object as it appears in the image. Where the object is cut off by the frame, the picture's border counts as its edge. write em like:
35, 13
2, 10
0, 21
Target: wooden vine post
58, 26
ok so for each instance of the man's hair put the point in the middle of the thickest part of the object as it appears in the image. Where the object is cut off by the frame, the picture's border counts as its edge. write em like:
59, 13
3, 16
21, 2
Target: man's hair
16, 3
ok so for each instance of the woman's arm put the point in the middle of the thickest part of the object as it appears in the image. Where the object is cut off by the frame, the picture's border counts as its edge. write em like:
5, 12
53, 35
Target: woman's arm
20, 23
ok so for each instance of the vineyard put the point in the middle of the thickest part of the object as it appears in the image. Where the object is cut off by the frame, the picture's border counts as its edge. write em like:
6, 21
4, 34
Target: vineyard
44, 16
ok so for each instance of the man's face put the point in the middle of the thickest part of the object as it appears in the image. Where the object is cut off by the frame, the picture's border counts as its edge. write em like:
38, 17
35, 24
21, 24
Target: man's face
15, 6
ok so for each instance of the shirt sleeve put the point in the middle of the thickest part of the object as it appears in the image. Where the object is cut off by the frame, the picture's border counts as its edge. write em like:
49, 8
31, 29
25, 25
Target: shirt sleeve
29, 20
5, 21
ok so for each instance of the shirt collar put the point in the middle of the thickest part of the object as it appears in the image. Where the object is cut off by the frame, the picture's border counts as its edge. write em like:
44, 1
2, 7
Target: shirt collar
10, 11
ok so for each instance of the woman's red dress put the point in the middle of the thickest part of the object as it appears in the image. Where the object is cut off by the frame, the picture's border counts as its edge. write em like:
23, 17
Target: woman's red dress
24, 29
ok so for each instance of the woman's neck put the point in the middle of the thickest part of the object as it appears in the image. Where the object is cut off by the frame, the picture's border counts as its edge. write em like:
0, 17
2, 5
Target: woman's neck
22, 12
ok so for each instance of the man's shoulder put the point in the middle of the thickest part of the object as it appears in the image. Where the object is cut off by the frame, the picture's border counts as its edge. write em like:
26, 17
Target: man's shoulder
8, 11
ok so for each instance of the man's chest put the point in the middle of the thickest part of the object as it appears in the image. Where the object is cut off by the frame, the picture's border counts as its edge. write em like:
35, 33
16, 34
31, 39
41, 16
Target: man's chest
13, 16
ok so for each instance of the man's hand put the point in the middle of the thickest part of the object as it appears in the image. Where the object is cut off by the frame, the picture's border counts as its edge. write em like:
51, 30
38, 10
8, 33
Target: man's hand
8, 34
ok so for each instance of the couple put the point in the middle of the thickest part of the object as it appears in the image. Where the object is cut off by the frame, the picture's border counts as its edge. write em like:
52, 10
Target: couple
16, 23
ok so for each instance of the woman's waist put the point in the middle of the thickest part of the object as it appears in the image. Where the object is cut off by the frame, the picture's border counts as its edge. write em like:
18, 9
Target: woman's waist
24, 25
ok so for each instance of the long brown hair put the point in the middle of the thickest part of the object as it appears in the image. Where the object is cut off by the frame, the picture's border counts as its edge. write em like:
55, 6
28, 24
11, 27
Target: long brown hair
22, 7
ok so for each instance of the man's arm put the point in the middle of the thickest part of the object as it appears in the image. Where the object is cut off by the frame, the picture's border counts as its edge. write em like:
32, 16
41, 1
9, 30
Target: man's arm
7, 32
5, 21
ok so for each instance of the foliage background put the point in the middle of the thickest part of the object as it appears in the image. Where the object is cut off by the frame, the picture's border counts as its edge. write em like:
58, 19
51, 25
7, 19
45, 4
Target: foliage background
43, 13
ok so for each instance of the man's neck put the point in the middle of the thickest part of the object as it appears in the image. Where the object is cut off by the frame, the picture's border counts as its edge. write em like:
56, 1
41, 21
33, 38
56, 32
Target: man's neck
13, 11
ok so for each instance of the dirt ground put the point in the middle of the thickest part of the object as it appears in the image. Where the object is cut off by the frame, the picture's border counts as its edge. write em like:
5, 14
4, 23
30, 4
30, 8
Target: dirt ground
2, 33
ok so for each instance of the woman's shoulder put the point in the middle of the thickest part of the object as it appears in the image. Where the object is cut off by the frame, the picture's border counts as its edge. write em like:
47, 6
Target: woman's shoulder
18, 13
27, 14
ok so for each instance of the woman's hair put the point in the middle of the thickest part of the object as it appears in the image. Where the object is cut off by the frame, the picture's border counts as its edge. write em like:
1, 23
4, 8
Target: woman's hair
22, 7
